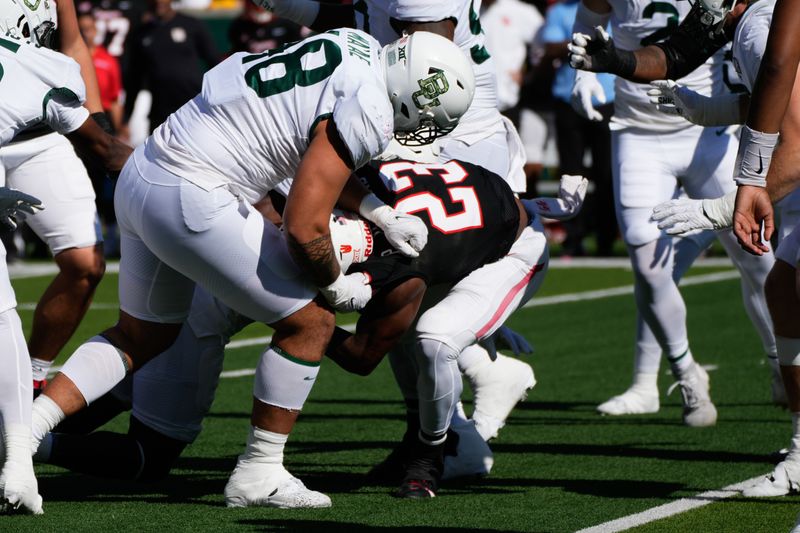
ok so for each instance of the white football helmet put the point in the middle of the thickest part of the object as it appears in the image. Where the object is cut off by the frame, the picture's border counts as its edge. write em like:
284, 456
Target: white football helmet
715, 11
430, 83
32, 21
351, 237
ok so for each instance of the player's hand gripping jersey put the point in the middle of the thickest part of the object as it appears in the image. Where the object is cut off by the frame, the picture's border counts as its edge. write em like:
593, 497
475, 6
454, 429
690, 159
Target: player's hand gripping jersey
638, 23
253, 120
471, 215
38, 85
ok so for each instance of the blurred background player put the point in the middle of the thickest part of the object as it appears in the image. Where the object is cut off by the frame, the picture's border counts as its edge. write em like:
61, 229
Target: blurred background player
168, 53
256, 30
575, 134
109, 81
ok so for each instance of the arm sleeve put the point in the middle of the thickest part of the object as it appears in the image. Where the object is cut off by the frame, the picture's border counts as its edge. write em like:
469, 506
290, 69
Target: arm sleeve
365, 123
690, 45
423, 10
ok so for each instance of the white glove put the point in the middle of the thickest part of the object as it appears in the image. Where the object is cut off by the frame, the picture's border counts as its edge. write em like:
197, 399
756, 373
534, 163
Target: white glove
579, 59
407, 233
14, 205
571, 194
349, 292
685, 215
507, 338
586, 86
675, 99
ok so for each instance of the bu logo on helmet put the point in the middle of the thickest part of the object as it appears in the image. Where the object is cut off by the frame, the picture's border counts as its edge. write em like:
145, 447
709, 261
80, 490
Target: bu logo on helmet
33, 5
431, 88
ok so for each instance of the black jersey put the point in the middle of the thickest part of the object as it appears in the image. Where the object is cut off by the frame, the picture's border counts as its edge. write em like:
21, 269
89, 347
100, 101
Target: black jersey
471, 214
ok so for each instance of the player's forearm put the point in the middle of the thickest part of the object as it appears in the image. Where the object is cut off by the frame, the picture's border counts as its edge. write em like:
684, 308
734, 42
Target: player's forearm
313, 252
353, 354
651, 64
112, 152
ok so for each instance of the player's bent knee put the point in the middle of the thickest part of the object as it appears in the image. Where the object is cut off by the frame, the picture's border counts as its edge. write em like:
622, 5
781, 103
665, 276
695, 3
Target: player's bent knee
160, 452
85, 265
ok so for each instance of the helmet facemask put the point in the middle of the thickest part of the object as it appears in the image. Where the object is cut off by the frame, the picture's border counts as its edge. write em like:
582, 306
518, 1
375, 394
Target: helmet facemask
34, 21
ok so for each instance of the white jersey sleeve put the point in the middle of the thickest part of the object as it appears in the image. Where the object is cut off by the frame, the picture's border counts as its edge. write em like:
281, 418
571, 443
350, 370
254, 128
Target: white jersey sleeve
750, 41
39, 85
423, 10
365, 122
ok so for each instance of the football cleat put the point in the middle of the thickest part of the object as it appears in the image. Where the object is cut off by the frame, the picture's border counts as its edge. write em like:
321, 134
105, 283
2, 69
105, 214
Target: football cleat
416, 489
421, 480
783, 480
698, 410
496, 388
259, 485
637, 400
466, 453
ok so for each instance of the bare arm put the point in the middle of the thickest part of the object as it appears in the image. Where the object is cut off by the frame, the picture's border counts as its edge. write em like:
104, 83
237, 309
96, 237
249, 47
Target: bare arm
91, 138
73, 45
320, 178
384, 322
776, 76
784, 172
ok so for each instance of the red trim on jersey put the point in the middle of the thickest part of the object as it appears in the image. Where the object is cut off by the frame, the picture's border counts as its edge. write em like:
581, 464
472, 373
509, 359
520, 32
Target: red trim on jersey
508, 299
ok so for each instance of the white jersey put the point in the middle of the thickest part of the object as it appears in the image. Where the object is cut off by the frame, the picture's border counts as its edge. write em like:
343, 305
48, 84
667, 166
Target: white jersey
511, 27
250, 126
37, 84
375, 17
636, 24
750, 41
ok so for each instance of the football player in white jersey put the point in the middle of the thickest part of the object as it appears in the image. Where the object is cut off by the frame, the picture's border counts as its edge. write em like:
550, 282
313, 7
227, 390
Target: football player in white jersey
654, 156
483, 137
747, 23
315, 110
37, 85
42, 162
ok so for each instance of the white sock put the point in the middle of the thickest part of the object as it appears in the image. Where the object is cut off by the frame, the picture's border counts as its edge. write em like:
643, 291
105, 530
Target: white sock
40, 368
46, 415
18, 443
647, 352
264, 447
283, 380
472, 358
681, 363
95, 368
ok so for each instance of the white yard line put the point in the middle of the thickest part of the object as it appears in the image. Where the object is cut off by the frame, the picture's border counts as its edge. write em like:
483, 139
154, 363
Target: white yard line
670, 509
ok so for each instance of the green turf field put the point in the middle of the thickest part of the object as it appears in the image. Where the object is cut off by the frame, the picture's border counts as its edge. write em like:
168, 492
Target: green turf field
558, 466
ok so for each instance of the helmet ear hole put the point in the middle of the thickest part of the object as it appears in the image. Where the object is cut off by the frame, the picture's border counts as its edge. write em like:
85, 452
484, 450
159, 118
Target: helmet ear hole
404, 110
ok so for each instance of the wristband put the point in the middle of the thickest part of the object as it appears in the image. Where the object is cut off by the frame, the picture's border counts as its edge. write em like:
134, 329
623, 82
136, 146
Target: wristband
754, 157
303, 12
102, 120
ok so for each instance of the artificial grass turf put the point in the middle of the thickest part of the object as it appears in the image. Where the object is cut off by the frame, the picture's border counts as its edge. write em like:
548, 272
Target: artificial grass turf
558, 466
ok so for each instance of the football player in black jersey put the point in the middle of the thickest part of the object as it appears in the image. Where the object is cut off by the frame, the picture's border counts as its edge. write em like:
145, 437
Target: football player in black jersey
483, 246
